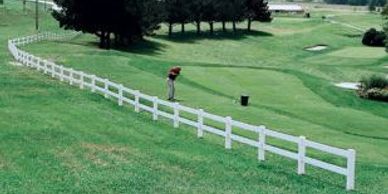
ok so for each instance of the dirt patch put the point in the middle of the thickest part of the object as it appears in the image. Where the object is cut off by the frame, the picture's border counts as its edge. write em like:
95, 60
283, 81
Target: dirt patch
105, 155
70, 161
15, 63
315, 48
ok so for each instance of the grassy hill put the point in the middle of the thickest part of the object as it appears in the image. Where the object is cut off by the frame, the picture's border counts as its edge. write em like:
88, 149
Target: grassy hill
57, 139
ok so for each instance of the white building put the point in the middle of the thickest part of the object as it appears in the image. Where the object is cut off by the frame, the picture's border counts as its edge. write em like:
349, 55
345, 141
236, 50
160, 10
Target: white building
286, 8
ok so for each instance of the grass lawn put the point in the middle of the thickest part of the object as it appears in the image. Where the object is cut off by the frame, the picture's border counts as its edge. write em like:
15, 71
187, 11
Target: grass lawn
57, 139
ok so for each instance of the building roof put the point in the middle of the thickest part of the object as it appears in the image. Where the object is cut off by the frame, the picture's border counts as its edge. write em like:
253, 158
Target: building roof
285, 7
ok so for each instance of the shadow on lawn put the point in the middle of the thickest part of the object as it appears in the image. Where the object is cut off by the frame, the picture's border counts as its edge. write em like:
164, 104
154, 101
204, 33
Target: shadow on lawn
192, 36
146, 47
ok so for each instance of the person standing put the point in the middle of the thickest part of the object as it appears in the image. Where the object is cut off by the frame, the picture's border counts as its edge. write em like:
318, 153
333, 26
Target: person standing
172, 75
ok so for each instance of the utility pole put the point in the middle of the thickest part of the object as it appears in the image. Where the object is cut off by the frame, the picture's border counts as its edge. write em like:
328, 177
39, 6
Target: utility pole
36, 15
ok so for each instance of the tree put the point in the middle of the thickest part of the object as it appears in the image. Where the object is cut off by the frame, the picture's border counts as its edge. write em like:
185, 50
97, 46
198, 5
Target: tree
1, 2
224, 12
127, 20
257, 10
372, 5
196, 12
237, 12
374, 38
176, 11
384, 13
209, 13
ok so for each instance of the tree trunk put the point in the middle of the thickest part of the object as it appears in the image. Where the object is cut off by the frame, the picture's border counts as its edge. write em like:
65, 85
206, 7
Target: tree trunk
183, 27
211, 27
170, 29
234, 26
249, 24
116, 39
102, 40
223, 26
24, 5
198, 27
108, 41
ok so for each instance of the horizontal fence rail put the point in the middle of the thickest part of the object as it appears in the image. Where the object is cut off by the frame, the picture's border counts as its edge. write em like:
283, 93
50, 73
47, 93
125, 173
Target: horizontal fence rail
173, 111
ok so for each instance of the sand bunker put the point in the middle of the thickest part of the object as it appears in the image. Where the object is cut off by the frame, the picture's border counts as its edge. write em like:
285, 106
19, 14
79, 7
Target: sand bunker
349, 85
318, 47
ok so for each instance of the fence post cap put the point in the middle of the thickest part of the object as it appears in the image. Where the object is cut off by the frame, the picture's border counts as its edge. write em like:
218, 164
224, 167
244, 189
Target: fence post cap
302, 137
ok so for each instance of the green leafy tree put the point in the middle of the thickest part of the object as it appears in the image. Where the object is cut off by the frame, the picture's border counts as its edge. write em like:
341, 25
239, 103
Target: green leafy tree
385, 17
257, 10
196, 12
209, 13
224, 12
127, 20
176, 12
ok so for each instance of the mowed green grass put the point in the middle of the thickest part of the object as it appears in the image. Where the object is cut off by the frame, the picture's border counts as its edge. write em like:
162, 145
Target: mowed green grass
58, 139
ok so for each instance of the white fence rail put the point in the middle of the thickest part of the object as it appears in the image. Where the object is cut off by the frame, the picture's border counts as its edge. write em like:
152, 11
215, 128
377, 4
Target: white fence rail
173, 111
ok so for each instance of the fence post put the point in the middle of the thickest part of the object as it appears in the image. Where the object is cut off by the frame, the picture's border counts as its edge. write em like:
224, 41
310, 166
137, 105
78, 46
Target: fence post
121, 95
93, 83
228, 133
200, 123
61, 73
53, 72
38, 64
45, 66
155, 108
261, 150
82, 80
71, 76
137, 101
106, 88
301, 155
176, 115
351, 168
26, 61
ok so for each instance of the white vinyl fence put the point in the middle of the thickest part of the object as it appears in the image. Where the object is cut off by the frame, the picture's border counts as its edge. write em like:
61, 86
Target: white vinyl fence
125, 95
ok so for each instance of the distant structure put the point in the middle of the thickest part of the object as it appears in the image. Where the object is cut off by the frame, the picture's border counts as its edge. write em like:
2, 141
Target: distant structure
287, 9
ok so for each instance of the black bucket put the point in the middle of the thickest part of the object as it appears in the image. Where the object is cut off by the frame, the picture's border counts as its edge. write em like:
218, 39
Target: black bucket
244, 99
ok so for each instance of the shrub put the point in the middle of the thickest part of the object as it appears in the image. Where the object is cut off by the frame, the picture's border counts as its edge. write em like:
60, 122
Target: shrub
374, 81
372, 37
374, 87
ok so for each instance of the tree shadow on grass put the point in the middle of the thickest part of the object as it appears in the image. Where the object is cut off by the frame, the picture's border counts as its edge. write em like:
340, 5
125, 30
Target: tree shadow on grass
146, 47
192, 36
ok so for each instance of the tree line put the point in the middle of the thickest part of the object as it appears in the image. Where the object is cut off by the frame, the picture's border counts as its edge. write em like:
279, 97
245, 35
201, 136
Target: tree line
384, 13
130, 20
371, 3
